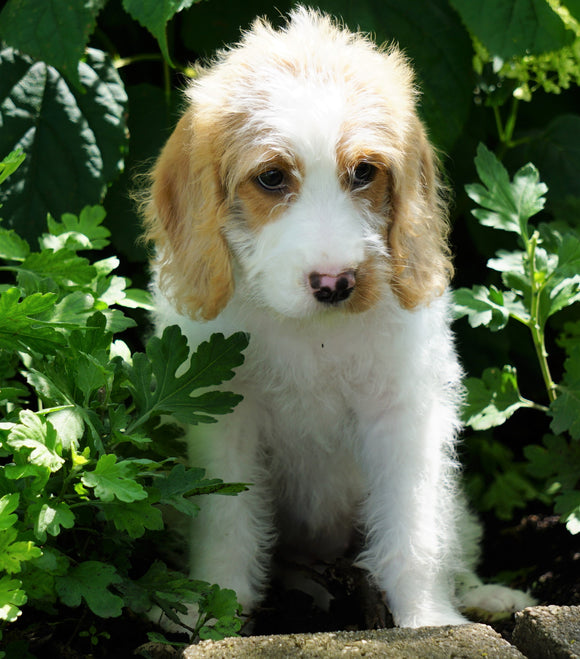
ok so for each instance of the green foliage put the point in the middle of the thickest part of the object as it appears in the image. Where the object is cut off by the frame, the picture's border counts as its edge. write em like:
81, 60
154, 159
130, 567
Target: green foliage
540, 279
83, 461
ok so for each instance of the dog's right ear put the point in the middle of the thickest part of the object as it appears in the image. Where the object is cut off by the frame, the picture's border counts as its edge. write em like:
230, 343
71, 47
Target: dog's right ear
184, 216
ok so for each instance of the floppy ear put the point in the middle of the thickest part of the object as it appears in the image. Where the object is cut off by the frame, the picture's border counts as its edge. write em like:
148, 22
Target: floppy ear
418, 229
184, 216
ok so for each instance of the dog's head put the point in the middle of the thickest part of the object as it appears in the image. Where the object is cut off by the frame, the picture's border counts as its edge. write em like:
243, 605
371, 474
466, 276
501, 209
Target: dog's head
301, 174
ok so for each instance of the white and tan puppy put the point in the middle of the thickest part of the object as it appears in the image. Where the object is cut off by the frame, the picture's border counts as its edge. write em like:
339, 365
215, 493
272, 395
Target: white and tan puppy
298, 200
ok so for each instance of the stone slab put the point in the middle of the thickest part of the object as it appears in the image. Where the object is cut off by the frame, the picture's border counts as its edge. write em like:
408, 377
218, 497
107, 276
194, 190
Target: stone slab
548, 632
463, 642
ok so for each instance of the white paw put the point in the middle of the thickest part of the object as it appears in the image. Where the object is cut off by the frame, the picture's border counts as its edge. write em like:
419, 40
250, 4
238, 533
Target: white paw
495, 598
431, 619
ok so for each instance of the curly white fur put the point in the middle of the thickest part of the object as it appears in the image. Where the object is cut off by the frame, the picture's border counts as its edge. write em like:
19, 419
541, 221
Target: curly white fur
350, 408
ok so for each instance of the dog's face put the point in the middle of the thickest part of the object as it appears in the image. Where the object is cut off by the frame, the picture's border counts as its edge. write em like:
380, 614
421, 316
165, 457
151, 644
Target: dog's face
300, 174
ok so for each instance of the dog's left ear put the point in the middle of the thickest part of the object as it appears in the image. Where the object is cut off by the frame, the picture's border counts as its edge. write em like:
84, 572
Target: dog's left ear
418, 228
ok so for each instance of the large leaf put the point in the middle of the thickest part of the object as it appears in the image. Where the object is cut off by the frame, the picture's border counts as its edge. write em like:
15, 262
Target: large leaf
510, 28
157, 389
507, 205
53, 31
74, 139
91, 581
492, 399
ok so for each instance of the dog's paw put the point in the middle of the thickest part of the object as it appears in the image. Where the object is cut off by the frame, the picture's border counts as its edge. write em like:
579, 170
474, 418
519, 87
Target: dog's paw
433, 618
494, 598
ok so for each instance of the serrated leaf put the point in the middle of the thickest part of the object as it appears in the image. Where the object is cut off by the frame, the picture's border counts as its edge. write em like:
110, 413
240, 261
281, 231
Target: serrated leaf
565, 410
509, 28
37, 435
157, 389
53, 31
493, 398
12, 597
134, 518
50, 517
8, 504
68, 135
486, 306
19, 328
568, 506
177, 488
114, 480
13, 552
91, 581
12, 246
83, 232
506, 205
62, 267
154, 16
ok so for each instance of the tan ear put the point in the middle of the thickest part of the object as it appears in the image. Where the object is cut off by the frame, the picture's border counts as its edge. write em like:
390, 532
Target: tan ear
418, 228
185, 216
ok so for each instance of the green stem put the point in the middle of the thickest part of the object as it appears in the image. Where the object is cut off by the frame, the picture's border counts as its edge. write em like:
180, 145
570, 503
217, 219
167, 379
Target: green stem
121, 62
506, 132
535, 327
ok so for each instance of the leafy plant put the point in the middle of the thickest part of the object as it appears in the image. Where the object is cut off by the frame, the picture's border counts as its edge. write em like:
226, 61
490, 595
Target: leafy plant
539, 280
85, 458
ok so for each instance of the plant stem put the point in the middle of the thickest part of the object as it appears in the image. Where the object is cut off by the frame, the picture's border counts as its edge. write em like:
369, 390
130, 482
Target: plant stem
534, 324
506, 132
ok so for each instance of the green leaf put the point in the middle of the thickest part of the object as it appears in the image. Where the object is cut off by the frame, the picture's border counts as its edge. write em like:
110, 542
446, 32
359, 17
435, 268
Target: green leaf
155, 15
50, 517
37, 434
74, 139
8, 504
509, 28
13, 552
134, 518
20, 330
220, 605
10, 164
53, 31
506, 205
114, 480
75, 233
487, 306
177, 488
492, 399
91, 581
556, 461
12, 246
565, 410
63, 267
12, 597
157, 389
568, 506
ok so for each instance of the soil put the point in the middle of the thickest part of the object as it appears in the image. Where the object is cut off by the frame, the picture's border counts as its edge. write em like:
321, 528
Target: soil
538, 554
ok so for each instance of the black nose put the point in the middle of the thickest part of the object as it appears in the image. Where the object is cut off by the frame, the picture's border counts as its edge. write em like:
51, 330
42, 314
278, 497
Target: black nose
331, 289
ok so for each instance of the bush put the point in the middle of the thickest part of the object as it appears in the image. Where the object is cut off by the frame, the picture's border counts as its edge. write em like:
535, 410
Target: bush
540, 279
85, 455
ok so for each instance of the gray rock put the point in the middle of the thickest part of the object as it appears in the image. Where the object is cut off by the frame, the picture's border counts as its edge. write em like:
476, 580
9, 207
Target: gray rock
548, 632
467, 641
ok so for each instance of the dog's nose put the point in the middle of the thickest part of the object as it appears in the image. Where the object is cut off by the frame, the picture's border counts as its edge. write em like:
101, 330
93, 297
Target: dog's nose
331, 289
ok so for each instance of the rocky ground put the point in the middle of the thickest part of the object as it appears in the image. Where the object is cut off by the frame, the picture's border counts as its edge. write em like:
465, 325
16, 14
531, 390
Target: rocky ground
537, 554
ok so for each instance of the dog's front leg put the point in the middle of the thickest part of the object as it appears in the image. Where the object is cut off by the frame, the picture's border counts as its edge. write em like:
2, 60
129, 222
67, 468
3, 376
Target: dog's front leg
231, 537
408, 512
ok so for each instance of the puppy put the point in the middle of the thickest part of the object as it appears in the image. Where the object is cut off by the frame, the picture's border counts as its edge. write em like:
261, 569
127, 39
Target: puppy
298, 200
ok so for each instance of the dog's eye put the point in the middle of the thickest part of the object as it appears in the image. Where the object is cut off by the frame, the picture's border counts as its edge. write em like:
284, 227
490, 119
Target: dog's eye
362, 174
272, 179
